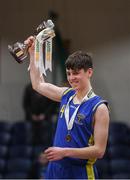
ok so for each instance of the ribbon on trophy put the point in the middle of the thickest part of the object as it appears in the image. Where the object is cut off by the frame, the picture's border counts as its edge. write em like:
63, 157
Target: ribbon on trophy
39, 61
48, 54
44, 60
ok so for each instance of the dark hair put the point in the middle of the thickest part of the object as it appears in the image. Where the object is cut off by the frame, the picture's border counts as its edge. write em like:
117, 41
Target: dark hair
79, 60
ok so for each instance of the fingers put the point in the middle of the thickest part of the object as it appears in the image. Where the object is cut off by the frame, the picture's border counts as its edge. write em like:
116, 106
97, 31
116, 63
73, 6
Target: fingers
49, 154
48, 150
53, 153
29, 41
51, 158
42, 158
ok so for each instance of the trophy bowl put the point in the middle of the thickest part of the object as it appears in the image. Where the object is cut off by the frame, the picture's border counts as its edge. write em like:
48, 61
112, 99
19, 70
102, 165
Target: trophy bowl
18, 51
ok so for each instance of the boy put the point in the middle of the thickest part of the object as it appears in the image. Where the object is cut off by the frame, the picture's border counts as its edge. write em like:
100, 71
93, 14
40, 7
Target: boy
82, 129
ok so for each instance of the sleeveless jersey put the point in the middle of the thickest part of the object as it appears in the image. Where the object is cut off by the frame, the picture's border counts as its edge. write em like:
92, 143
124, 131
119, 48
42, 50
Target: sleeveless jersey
81, 132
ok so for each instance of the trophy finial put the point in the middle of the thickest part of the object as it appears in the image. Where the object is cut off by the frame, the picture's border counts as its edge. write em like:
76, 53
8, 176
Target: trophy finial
49, 23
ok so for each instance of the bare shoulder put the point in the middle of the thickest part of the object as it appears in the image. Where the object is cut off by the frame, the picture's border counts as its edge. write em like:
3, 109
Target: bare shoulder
102, 113
102, 108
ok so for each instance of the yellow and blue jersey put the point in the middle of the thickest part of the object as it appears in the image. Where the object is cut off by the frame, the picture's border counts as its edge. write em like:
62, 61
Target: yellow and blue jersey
81, 136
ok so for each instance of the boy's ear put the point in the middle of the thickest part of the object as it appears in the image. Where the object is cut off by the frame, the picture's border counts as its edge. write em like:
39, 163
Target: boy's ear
90, 72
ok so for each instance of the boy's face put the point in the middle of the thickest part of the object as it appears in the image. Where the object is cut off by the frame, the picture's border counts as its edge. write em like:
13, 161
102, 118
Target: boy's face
78, 79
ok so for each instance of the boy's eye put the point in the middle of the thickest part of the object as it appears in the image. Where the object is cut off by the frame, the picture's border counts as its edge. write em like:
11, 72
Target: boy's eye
76, 72
68, 73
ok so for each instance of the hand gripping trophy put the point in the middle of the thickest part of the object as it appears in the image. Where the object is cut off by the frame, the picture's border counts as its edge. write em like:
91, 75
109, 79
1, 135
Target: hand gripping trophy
43, 35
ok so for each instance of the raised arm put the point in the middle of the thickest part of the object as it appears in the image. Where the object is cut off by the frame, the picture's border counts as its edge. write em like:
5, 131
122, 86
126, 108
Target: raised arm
38, 83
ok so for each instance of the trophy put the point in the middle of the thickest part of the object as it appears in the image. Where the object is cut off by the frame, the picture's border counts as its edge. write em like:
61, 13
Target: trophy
20, 50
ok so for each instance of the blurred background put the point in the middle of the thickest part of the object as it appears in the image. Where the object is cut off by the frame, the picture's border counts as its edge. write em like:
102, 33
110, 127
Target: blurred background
101, 28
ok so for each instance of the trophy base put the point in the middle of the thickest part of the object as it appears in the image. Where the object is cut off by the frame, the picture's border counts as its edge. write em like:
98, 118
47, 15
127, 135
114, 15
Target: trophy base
18, 54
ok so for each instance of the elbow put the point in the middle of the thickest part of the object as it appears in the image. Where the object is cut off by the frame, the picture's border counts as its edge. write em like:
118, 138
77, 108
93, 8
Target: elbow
35, 87
100, 153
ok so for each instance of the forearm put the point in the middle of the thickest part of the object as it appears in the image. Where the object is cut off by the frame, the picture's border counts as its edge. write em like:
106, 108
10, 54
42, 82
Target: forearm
37, 80
35, 76
38, 83
57, 153
91, 152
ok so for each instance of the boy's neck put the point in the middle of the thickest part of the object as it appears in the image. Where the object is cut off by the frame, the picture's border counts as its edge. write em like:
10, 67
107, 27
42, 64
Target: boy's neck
81, 94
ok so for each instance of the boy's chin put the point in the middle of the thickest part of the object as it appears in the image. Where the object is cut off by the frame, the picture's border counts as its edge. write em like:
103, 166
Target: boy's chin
75, 88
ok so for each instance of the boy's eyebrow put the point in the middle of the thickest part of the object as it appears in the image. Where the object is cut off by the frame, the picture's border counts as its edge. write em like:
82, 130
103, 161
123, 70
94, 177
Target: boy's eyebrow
72, 70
